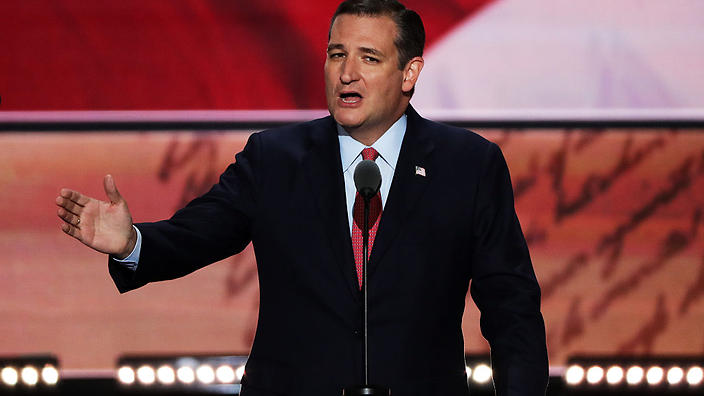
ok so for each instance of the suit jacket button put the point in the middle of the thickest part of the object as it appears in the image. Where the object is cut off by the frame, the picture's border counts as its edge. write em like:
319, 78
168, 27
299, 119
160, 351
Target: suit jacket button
357, 333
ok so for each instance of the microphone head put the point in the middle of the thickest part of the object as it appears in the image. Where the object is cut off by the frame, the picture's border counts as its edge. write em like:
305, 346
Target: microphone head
367, 178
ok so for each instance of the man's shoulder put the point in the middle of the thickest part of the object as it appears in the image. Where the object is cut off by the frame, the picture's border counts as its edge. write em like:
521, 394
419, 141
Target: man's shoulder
451, 136
297, 132
287, 144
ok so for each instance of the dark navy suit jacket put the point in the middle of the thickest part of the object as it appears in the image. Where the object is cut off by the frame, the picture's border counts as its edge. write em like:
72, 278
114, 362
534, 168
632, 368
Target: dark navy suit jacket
285, 193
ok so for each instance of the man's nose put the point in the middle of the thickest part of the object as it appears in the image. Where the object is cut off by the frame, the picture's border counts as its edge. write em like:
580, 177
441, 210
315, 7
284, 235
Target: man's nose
349, 72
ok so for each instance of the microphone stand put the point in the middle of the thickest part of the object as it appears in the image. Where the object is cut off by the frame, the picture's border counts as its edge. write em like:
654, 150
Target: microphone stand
366, 389
365, 315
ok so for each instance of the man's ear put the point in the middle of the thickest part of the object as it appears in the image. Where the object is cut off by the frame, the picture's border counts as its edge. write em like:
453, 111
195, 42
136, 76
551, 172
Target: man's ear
411, 73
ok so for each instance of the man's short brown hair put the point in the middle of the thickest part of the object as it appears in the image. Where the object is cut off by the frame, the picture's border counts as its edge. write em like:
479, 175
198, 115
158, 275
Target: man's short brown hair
410, 37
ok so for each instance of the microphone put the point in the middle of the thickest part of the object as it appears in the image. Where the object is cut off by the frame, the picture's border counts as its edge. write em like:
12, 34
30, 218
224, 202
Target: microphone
367, 179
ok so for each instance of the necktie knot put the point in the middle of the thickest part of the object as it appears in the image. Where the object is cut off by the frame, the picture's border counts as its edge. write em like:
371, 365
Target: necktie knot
369, 153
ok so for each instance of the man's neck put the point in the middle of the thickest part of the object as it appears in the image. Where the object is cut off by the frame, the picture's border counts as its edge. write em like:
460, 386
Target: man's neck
368, 136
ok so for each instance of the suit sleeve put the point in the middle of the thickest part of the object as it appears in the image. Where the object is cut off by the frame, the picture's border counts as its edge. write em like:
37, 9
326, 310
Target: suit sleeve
505, 288
210, 228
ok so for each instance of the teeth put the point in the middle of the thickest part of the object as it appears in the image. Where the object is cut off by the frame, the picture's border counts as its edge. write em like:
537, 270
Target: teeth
351, 99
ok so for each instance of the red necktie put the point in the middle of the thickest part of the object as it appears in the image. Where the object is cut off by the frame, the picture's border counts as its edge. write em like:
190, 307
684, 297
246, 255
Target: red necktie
358, 223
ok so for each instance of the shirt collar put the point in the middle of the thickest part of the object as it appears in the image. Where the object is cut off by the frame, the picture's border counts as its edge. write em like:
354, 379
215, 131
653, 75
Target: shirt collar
388, 145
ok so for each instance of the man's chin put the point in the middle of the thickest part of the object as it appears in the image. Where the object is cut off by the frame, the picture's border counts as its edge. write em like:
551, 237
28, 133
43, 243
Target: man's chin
349, 123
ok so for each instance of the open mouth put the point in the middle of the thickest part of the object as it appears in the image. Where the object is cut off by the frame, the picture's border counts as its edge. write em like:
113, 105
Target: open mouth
350, 97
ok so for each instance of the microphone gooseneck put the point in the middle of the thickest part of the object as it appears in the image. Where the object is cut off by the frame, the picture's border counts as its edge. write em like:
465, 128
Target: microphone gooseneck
367, 179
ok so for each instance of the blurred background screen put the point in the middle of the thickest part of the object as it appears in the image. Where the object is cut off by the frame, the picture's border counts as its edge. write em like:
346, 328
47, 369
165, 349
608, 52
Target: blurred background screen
598, 107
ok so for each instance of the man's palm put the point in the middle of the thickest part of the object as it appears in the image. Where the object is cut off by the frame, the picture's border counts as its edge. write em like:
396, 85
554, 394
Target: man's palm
105, 226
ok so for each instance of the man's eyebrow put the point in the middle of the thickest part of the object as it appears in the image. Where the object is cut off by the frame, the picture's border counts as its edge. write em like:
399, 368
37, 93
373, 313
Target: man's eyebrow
372, 51
366, 50
335, 46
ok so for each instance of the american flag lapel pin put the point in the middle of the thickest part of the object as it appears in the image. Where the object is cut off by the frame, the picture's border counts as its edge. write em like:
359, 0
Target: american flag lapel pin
420, 171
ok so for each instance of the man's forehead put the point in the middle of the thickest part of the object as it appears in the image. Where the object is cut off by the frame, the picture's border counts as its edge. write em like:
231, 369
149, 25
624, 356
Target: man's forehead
367, 33
363, 19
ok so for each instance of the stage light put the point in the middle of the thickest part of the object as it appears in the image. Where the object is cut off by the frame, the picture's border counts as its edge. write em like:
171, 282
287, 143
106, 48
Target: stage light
166, 375
239, 372
205, 374
479, 374
225, 374
614, 375
29, 375
654, 375
595, 374
675, 375
634, 375
574, 375
146, 375
482, 374
125, 375
9, 376
186, 375
695, 375
50, 375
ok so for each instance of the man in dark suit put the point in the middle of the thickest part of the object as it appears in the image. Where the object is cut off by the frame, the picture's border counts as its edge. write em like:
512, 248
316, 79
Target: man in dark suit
447, 217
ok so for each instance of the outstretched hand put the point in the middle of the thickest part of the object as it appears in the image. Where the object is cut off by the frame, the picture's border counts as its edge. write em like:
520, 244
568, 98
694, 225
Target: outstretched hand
103, 226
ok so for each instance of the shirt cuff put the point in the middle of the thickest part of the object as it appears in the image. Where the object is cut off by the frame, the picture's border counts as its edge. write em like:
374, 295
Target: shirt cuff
131, 261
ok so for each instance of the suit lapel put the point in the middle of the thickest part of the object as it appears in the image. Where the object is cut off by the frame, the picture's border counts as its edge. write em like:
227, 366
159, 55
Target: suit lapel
323, 169
406, 187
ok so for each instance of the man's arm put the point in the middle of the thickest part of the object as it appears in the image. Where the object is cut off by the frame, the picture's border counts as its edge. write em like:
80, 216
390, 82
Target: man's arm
210, 228
505, 288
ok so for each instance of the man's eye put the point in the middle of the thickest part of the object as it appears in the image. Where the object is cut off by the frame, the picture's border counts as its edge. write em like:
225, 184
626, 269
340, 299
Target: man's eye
371, 59
336, 55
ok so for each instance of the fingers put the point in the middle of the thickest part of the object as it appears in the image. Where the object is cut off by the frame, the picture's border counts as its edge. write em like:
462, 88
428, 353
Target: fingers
69, 205
72, 201
111, 189
68, 217
70, 230
74, 196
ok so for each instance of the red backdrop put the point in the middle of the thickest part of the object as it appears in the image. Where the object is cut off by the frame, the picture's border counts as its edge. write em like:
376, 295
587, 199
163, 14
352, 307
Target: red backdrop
177, 54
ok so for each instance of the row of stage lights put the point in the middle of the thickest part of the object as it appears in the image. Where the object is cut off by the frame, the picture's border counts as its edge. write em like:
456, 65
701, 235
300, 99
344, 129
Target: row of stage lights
168, 375
205, 372
29, 375
222, 373
634, 375
29, 372
635, 372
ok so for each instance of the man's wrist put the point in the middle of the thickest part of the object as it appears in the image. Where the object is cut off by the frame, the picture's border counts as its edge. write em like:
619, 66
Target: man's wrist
131, 243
